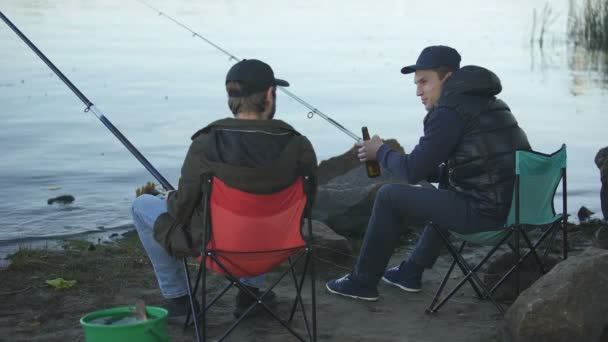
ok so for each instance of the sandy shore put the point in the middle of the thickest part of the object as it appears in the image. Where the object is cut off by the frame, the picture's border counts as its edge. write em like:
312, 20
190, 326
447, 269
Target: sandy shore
116, 275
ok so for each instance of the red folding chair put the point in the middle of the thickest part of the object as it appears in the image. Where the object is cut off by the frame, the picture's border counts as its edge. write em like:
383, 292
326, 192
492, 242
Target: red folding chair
252, 234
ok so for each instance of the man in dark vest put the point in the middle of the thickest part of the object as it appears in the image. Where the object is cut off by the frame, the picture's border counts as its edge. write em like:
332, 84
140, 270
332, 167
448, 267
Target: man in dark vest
468, 146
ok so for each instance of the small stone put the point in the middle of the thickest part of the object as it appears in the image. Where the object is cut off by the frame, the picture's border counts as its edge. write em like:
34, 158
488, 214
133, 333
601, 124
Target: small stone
63, 199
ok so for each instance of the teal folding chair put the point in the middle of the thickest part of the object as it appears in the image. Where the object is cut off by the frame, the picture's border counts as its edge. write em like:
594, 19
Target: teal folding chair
537, 177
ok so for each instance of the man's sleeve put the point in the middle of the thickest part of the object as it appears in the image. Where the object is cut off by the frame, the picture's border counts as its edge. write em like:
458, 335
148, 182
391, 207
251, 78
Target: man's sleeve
443, 130
181, 203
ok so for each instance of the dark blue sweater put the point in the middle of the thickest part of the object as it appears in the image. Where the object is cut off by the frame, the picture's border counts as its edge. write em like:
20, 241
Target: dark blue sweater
443, 129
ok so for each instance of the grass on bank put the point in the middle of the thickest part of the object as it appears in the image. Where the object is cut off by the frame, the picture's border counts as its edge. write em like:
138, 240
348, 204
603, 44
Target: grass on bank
106, 276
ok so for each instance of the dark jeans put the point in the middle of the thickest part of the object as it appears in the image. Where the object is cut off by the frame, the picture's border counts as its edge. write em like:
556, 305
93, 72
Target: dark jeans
396, 203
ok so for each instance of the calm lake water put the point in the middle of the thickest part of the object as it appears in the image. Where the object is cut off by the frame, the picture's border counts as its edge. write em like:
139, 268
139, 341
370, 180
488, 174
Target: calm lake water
158, 85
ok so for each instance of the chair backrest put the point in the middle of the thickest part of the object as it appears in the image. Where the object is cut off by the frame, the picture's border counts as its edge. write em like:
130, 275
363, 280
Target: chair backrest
252, 234
537, 177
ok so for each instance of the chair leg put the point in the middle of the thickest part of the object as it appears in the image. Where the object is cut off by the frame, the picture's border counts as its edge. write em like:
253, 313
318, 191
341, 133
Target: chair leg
258, 302
298, 300
470, 275
452, 250
444, 282
308, 265
203, 314
565, 238
191, 298
551, 241
194, 290
516, 264
313, 294
532, 250
298, 285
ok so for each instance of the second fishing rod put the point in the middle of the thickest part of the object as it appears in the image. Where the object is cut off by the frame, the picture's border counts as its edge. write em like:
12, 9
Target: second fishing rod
313, 111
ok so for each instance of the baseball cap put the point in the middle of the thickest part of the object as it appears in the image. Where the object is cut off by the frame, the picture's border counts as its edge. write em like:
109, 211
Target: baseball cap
433, 57
255, 74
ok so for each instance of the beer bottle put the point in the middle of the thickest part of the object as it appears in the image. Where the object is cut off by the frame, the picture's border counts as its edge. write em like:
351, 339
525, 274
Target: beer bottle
372, 166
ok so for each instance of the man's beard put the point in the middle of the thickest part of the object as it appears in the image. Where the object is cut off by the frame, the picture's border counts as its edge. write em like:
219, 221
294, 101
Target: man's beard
272, 110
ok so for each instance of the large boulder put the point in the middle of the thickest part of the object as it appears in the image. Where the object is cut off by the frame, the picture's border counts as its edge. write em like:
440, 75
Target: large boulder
529, 272
328, 245
345, 202
570, 303
339, 165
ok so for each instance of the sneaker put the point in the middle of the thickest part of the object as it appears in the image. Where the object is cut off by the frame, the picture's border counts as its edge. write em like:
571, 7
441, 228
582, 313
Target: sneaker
406, 276
244, 300
347, 287
179, 308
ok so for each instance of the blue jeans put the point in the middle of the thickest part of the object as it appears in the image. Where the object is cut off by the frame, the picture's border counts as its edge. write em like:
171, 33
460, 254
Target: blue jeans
169, 271
397, 203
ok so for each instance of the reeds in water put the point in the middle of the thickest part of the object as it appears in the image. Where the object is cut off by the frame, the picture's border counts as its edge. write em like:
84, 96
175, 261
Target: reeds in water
588, 24
546, 19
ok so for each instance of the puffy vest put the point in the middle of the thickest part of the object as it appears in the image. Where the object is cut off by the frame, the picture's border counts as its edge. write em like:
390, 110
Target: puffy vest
482, 166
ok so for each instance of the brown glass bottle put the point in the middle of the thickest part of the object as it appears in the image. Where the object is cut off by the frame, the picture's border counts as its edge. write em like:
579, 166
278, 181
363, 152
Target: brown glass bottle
371, 166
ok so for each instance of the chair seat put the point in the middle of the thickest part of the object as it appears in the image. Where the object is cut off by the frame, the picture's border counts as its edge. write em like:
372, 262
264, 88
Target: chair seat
492, 237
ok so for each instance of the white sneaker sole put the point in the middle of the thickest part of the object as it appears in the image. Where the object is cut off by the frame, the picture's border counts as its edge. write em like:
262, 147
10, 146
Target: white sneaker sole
407, 289
369, 299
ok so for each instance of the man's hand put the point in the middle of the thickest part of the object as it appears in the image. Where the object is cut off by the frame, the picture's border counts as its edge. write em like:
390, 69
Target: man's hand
368, 149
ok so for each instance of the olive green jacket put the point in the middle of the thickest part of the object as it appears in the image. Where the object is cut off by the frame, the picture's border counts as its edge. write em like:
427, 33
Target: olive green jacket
180, 230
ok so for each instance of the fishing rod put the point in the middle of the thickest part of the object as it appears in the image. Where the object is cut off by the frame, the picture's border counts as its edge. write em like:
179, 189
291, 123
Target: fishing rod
91, 107
313, 111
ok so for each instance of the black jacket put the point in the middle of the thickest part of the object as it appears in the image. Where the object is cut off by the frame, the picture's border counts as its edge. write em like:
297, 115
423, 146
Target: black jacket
482, 165
257, 156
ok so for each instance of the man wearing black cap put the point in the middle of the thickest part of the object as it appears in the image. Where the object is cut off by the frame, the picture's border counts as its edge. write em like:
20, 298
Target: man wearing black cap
250, 145
468, 147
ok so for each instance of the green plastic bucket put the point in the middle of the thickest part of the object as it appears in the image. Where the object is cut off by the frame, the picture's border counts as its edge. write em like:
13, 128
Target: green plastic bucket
154, 329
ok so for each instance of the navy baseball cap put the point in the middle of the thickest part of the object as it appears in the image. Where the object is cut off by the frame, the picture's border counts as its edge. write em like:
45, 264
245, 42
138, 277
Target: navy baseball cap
256, 75
435, 56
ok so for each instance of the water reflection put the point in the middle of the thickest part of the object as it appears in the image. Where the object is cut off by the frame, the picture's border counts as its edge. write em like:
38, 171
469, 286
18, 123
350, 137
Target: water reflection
589, 69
